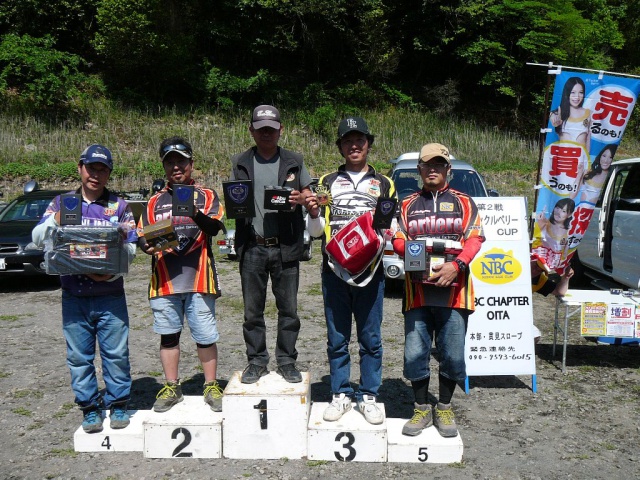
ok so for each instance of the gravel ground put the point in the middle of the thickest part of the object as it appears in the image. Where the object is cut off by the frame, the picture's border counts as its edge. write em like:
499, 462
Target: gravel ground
583, 424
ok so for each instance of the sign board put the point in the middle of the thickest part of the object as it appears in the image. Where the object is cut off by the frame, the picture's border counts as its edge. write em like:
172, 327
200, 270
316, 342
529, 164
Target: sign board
500, 332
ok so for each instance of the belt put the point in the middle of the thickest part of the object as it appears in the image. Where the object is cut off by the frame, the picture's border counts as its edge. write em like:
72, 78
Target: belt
267, 242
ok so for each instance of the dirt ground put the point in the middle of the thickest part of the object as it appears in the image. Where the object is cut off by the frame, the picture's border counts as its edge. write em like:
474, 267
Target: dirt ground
581, 425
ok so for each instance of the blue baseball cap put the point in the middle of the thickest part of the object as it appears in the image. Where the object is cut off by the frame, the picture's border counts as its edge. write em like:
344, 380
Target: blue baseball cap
97, 154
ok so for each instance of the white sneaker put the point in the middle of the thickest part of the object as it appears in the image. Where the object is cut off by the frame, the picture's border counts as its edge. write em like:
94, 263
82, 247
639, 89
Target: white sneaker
370, 410
340, 405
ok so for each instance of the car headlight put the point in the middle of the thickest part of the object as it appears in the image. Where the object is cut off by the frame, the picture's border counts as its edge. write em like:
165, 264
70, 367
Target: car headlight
32, 246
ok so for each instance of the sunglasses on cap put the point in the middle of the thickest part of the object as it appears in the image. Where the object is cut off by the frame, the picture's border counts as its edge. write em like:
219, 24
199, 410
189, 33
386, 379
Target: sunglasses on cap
177, 147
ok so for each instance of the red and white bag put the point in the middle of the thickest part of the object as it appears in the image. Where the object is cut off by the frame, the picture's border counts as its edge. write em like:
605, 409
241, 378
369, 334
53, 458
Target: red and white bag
354, 248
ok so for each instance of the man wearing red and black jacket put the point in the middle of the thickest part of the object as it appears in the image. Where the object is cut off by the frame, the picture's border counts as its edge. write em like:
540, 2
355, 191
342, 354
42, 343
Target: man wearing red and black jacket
184, 280
437, 306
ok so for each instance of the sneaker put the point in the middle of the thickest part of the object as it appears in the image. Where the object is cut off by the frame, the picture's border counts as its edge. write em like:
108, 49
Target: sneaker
422, 418
445, 420
253, 372
168, 396
340, 405
370, 410
92, 422
290, 373
119, 417
213, 395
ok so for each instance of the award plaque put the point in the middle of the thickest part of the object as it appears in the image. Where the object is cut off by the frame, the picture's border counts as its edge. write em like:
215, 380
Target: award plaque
384, 213
277, 198
70, 209
182, 199
238, 199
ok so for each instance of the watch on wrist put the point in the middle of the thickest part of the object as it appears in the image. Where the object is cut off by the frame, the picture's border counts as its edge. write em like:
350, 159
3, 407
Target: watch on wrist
461, 265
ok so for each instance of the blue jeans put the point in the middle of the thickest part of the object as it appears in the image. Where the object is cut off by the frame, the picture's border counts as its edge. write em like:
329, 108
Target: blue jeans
257, 264
449, 327
342, 304
199, 308
105, 318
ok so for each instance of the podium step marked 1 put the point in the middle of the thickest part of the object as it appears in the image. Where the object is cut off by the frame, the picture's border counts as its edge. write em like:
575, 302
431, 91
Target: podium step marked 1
270, 419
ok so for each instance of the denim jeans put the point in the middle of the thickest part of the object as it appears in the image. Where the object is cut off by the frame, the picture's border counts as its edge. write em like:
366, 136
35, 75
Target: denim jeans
257, 265
105, 318
449, 327
199, 308
342, 304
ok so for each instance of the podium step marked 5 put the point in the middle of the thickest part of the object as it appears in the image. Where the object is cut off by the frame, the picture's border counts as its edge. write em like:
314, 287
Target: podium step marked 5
269, 419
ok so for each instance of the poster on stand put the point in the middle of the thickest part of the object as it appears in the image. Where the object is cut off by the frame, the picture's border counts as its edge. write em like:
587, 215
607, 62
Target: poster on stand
500, 331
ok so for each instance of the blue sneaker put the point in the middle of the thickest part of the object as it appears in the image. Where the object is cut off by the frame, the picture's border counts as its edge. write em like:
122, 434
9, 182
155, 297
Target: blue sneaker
119, 417
92, 422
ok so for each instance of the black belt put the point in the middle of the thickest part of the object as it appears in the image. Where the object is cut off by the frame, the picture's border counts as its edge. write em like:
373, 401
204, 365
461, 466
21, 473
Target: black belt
267, 242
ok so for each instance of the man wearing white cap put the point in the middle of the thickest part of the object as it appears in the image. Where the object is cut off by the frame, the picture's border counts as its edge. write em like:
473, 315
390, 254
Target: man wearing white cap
438, 301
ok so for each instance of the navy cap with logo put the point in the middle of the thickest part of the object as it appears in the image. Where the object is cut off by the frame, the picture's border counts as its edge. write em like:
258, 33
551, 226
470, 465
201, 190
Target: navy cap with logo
265, 116
353, 124
97, 154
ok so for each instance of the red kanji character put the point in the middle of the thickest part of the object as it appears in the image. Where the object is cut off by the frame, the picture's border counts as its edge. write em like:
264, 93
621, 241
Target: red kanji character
565, 160
614, 104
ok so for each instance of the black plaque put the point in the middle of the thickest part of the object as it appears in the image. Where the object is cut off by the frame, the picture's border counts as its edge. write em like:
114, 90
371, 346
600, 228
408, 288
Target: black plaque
183, 201
384, 213
70, 209
238, 199
277, 198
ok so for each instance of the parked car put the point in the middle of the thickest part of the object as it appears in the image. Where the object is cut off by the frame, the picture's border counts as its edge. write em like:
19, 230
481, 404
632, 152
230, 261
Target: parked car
608, 255
404, 173
18, 254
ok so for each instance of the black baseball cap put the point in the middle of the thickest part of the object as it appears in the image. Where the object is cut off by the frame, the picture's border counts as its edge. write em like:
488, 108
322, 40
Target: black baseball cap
354, 124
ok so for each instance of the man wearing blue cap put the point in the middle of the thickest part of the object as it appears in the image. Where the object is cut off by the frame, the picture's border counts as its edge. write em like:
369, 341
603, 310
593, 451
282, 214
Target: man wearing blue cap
94, 306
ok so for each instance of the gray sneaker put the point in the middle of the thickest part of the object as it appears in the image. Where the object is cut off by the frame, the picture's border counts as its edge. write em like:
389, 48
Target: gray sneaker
213, 395
168, 396
445, 420
369, 408
422, 418
340, 405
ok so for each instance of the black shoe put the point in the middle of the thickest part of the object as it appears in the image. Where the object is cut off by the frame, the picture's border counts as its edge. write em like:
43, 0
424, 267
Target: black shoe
290, 373
253, 373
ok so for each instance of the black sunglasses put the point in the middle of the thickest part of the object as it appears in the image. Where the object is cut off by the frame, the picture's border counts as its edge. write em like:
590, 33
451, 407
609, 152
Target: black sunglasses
179, 147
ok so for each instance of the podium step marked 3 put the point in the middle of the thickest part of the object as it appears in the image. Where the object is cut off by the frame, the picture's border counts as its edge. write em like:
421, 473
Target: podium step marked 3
269, 419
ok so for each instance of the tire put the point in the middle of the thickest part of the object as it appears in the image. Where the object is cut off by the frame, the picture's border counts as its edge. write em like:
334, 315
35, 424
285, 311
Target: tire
580, 280
306, 253
232, 257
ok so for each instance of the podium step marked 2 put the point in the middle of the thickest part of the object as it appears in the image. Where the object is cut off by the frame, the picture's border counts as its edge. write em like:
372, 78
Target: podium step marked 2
269, 419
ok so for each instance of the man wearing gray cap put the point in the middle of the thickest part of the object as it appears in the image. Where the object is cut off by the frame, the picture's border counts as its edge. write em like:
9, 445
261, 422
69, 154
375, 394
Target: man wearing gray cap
270, 245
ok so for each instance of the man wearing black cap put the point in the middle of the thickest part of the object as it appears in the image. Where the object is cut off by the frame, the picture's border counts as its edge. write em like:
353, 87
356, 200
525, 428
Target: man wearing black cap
270, 245
349, 192
184, 280
94, 307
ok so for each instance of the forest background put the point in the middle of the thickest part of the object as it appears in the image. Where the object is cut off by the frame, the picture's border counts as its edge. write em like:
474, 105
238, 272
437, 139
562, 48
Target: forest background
127, 73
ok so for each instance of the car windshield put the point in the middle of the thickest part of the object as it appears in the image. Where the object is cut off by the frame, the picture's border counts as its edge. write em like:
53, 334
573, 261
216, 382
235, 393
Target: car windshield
25, 209
466, 181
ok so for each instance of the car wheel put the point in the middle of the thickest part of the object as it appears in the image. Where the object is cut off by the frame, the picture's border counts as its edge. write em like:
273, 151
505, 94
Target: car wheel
232, 256
306, 253
580, 279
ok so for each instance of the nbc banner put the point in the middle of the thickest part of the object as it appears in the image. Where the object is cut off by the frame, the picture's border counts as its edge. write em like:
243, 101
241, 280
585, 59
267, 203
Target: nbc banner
589, 113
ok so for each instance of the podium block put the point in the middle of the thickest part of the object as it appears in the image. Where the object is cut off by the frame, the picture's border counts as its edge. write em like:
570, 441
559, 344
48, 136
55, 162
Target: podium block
129, 439
190, 429
428, 447
350, 439
266, 419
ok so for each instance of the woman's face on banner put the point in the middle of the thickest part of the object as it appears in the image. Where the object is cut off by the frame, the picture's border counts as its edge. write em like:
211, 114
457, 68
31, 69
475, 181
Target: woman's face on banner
576, 96
605, 159
560, 214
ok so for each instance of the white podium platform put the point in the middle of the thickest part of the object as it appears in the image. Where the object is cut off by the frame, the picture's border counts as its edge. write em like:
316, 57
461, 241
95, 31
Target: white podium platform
129, 439
428, 447
349, 439
266, 419
190, 429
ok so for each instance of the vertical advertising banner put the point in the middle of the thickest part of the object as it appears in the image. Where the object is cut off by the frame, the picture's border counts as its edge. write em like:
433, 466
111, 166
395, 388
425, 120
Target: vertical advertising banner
500, 332
589, 113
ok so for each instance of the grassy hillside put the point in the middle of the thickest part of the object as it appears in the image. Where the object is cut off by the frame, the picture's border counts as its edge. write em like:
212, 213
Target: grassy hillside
48, 151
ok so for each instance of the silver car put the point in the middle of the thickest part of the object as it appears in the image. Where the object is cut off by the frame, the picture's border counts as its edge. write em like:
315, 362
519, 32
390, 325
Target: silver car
463, 177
